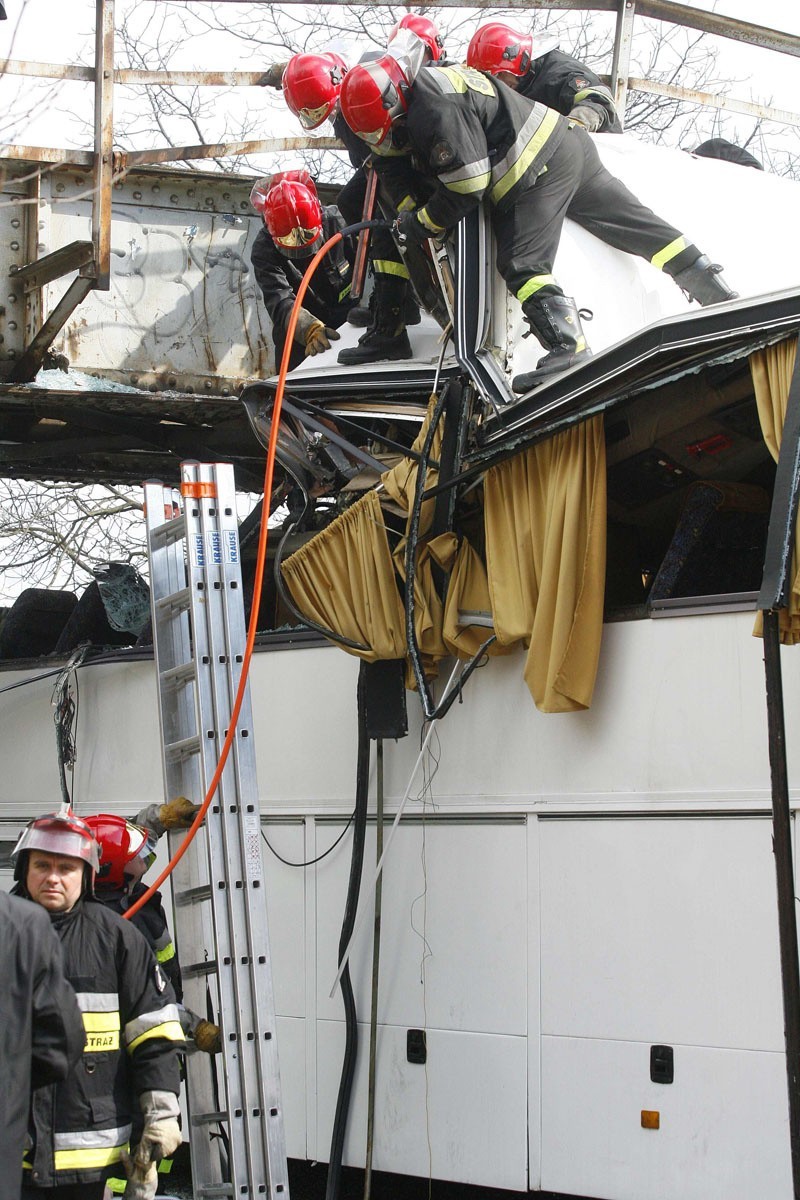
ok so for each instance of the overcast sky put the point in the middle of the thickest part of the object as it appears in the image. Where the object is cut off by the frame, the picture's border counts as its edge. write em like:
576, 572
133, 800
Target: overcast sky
58, 31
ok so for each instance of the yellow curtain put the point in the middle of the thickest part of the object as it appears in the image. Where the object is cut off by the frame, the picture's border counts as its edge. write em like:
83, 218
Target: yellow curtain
401, 481
344, 579
545, 516
771, 369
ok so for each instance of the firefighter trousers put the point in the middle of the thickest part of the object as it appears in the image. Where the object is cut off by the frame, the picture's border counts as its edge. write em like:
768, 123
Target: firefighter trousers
385, 257
575, 184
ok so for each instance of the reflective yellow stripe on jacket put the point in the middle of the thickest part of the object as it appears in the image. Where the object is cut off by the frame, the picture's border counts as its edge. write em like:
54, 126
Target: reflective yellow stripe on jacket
88, 1150
527, 145
101, 1020
162, 1023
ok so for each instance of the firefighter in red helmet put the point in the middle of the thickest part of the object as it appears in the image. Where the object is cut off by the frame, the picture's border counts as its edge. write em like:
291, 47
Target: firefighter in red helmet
425, 30
311, 84
478, 139
80, 1128
127, 851
296, 224
537, 69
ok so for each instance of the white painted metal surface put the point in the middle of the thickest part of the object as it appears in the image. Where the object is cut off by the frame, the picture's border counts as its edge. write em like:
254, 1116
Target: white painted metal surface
709, 200
592, 884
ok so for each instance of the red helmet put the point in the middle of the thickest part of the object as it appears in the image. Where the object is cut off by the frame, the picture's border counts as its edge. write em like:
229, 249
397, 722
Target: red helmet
374, 95
293, 217
311, 85
120, 843
57, 833
425, 30
495, 48
260, 189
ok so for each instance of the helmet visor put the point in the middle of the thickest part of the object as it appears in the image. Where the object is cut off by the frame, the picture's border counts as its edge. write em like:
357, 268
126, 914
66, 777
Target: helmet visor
310, 118
62, 841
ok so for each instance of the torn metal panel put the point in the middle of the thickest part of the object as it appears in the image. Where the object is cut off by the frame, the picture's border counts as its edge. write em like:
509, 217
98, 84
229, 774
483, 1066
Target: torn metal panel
182, 311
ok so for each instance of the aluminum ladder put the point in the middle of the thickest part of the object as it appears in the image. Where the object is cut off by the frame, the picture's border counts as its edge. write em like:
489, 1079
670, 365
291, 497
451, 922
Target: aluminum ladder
234, 1099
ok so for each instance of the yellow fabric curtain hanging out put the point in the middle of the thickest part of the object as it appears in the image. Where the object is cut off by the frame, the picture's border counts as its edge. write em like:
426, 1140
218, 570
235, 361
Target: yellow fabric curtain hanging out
545, 518
344, 580
771, 370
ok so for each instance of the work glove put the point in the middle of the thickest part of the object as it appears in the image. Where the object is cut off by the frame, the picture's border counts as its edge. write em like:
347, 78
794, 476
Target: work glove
161, 1135
208, 1037
588, 117
273, 75
142, 1181
313, 333
178, 813
408, 229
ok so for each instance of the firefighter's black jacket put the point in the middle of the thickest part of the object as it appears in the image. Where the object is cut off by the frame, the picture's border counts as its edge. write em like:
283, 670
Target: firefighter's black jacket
151, 921
477, 138
563, 83
279, 277
81, 1127
41, 1031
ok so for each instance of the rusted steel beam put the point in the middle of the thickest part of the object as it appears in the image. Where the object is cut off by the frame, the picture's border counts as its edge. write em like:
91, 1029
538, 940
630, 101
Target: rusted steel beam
166, 154
134, 76
48, 154
189, 78
621, 58
659, 10
103, 142
750, 109
52, 266
48, 70
26, 367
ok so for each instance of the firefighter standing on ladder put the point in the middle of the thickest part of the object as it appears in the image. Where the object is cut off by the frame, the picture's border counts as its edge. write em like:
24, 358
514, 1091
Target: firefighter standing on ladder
80, 1129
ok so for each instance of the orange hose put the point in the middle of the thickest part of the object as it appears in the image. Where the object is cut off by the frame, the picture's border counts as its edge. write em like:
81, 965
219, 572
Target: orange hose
261, 558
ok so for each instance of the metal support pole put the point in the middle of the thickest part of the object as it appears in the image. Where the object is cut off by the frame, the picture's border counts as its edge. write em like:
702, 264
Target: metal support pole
784, 870
103, 144
376, 951
621, 61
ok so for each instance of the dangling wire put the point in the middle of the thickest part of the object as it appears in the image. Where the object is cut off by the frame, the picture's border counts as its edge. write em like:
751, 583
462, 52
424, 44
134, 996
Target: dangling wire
430, 708
65, 699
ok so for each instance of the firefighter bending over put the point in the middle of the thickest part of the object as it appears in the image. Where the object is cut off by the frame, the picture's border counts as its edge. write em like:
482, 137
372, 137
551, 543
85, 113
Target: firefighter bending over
476, 138
128, 1076
532, 68
295, 226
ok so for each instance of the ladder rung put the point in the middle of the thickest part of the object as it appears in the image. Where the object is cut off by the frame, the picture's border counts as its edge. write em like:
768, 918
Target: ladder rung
177, 676
212, 1118
182, 749
174, 602
197, 969
192, 895
215, 1189
169, 532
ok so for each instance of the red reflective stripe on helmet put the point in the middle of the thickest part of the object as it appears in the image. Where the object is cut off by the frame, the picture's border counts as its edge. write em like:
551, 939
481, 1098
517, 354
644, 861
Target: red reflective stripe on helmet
311, 84
373, 96
496, 47
425, 30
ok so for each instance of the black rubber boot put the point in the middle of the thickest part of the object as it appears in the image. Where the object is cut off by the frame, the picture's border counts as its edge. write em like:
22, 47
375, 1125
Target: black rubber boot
386, 338
703, 282
374, 346
360, 315
555, 320
411, 313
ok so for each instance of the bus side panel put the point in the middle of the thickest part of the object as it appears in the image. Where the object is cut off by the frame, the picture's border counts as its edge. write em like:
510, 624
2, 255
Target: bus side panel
661, 932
